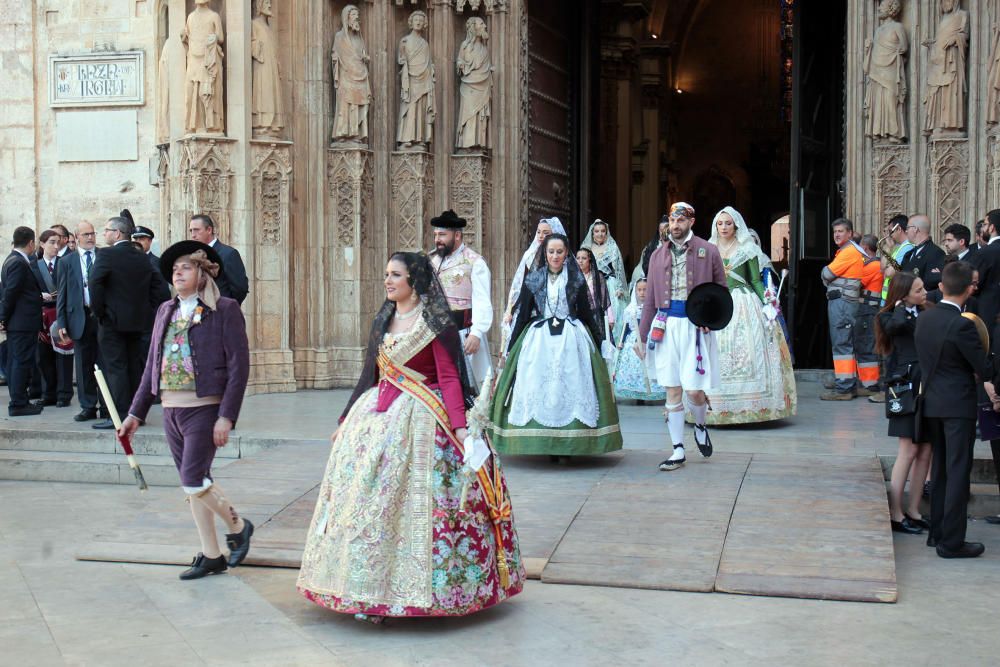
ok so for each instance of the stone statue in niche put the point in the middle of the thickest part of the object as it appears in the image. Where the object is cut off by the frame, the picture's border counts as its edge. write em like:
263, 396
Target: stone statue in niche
203, 92
885, 66
944, 99
476, 88
350, 80
416, 97
163, 96
993, 80
267, 112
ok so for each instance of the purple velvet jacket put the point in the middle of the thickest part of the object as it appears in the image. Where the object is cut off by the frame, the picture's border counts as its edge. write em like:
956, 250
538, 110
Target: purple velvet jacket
704, 265
219, 349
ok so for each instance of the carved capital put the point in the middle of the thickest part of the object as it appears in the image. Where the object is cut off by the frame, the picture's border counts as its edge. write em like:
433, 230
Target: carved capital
205, 171
471, 194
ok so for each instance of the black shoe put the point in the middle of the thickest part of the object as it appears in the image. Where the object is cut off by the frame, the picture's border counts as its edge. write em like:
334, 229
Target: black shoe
674, 463
239, 543
931, 540
919, 523
25, 410
46, 402
906, 526
967, 550
994, 519
706, 449
62, 404
85, 415
105, 425
202, 567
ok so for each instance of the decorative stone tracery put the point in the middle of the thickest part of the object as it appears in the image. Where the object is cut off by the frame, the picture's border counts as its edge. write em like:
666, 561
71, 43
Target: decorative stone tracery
412, 179
206, 178
949, 169
892, 180
471, 192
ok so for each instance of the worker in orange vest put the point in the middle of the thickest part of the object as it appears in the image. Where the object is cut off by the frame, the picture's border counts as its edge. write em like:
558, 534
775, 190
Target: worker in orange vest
842, 278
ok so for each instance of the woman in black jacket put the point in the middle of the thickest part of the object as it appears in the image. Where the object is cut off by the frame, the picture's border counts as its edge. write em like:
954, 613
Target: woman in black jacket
894, 328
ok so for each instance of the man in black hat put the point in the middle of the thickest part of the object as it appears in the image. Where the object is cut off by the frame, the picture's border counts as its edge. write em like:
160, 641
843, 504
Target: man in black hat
144, 237
466, 281
681, 356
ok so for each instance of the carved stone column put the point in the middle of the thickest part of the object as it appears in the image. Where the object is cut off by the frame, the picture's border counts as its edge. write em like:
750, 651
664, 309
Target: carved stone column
949, 158
412, 182
270, 352
472, 193
353, 279
891, 182
163, 183
993, 168
206, 183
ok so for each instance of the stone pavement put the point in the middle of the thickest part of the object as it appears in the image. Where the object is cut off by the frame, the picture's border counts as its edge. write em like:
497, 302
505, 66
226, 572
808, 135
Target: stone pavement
56, 610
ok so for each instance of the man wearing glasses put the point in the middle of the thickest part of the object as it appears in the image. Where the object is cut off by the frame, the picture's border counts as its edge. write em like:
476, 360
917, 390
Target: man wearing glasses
75, 318
125, 292
926, 259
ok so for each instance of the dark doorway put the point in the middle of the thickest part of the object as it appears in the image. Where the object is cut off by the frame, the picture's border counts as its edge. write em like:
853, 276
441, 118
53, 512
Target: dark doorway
817, 169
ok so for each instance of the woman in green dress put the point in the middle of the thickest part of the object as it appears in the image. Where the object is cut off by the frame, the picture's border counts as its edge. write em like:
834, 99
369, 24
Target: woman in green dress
554, 395
758, 384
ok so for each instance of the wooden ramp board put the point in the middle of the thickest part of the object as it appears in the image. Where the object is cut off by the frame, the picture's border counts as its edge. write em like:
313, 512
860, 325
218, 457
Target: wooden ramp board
643, 528
811, 527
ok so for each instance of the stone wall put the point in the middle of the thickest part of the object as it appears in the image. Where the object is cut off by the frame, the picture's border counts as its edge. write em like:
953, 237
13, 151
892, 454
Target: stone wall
949, 173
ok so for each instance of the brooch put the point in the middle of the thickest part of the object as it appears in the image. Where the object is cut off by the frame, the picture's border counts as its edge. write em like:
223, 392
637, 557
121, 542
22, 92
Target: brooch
197, 315
701, 252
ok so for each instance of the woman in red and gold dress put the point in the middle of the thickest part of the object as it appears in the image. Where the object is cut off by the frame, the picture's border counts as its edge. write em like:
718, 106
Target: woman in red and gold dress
404, 526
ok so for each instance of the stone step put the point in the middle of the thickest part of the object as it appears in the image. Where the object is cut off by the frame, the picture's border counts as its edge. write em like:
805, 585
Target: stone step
97, 468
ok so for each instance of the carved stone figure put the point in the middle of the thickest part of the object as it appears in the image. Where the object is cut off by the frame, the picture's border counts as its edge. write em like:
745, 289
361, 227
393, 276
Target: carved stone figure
268, 106
476, 87
885, 65
350, 79
203, 99
416, 97
993, 81
163, 96
945, 95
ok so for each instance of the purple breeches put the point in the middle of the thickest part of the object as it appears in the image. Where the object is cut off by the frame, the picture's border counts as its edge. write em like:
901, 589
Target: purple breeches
189, 434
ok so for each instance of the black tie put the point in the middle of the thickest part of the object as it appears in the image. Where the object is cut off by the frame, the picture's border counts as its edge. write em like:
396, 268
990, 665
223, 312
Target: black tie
51, 268
90, 262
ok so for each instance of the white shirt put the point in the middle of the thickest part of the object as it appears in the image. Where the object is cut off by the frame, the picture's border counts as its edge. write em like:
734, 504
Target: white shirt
187, 305
951, 303
85, 273
22, 254
482, 305
993, 238
963, 253
214, 241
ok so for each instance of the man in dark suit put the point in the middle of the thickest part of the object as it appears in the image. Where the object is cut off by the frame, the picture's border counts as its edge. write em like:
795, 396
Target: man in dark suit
987, 262
76, 321
21, 318
232, 280
926, 259
957, 241
125, 292
54, 369
951, 356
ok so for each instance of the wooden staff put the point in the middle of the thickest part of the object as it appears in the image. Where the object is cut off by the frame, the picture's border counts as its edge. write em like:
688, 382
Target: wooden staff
116, 420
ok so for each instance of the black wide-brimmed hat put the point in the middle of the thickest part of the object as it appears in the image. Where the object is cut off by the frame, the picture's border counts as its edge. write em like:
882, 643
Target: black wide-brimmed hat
448, 220
710, 305
182, 248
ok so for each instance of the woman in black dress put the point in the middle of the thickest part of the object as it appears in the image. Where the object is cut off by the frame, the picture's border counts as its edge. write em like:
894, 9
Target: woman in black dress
894, 329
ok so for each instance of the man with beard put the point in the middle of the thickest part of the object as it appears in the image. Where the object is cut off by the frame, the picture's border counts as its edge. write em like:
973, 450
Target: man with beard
681, 356
466, 281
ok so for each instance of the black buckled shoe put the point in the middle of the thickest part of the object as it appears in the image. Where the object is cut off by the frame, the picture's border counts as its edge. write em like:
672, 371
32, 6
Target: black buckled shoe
239, 543
706, 449
675, 461
906, 526
202, 567
919, 523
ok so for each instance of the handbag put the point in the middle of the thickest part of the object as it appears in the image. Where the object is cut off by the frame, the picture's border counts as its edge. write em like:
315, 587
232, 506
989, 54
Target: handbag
989, 422
900, 400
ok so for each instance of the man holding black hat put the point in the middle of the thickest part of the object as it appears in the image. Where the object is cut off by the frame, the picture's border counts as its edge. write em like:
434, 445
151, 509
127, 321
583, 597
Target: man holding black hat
681, 356
466, 280
144, 236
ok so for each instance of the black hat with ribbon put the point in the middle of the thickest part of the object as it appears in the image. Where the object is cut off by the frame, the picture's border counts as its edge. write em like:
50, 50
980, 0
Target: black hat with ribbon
710, 305
448, 220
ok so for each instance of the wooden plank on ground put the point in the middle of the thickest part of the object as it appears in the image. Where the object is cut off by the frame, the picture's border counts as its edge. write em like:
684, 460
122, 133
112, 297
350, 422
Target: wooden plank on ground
642, 528
811, 527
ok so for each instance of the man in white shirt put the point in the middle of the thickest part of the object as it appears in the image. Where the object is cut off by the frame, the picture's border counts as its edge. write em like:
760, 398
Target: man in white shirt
466, 281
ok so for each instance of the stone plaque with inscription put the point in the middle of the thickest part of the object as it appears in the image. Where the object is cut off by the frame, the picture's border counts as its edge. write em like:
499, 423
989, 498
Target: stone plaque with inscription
106, 79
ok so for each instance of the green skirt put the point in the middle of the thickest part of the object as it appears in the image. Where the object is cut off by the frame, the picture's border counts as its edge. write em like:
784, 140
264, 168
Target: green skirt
573, 439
